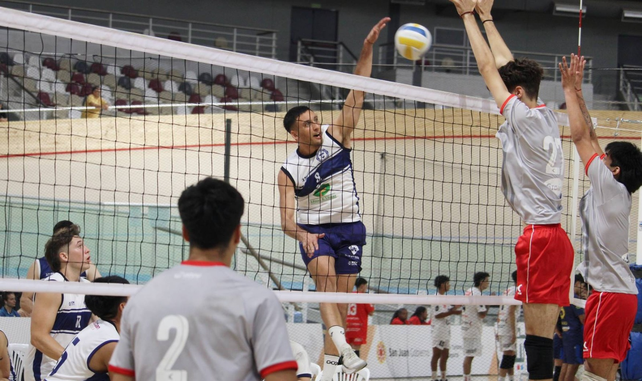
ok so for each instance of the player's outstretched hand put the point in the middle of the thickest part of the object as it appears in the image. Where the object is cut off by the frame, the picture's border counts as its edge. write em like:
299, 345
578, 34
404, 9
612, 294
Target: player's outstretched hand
374, 32
464, 6
570, 73
311, 243
483, 8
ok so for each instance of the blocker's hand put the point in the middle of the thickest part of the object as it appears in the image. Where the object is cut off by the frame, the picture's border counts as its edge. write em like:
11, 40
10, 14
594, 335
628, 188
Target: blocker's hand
374, 32
464, 6
483, 8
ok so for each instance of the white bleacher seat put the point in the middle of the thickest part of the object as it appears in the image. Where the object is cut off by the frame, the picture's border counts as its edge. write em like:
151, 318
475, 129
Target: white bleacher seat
33, 72
19, 59
34, 61
75, 114
182, 110
17, 353
48, 75
112, 69
239, 81
210, 99
191, 77
170, 86
151, 96
58, 87
140, 83
254, 83
44, 86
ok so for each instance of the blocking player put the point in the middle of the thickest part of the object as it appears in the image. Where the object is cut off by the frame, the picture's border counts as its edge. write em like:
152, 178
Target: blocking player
316, 181
219, 323
615, 174
357, 319
472, 323
57, 318
506, 329
441, 320
40, 269
87, 356
532, 182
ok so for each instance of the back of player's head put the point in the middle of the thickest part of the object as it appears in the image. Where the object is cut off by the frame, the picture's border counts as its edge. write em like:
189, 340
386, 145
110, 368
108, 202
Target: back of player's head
441, 279
106, 307
522, 72
61, 238
211, 211
420, 311
360, 281
62, 224
628, 157
289, 120
479, 277
514, 276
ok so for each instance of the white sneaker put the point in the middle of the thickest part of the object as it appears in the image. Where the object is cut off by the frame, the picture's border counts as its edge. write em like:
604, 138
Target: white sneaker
351, 362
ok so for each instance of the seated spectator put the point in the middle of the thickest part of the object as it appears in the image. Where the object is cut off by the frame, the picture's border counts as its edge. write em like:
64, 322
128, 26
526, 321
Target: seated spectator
400, 317
94, 100
9, 309
419, 317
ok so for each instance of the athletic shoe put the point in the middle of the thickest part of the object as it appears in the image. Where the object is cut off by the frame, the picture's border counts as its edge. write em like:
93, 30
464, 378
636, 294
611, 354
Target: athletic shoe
351, 362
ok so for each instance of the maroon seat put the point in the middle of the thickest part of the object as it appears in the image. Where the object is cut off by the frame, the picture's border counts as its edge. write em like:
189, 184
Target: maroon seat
231, 107
277, 96
73, 88
139, 110
4, 69
98, 68
195, 98
267, 84
156, 85
173, 35
122, 102
45, 99
78, 78
50, 63
86, 89
231, 92
198, 110
221, 79
129, 71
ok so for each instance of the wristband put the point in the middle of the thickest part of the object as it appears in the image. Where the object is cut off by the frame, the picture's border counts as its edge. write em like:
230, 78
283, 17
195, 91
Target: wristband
485, 21
465, 13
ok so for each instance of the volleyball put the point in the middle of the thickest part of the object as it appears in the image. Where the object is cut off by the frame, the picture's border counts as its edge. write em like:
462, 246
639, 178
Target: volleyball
412, 41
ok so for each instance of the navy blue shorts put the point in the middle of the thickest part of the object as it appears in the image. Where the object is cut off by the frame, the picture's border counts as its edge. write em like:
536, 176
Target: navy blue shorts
557, 347
573, 352
344, 242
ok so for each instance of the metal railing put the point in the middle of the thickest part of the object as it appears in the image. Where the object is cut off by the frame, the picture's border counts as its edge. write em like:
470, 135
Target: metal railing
461, 60
631, 87
255, 41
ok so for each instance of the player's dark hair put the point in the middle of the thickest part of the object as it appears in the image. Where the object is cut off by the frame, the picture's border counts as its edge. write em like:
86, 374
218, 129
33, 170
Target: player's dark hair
5, 295
60, 239
62, 224
419, 311
628, 157
514, 276
291, 116
479, 277
210, 211
106, 307
397, 313
522, 72
441, 279
579, 278
360, 281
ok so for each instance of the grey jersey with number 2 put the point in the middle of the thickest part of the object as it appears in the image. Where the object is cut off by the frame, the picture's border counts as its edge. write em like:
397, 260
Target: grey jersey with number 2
533, 164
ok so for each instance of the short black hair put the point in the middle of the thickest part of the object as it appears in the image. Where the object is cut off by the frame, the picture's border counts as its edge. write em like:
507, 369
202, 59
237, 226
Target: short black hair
441, 279
106, 307
291, 116
210, 211
61, 237
62, 224
5, 295
95, 88
514, 276
628, 157
479, 277
579, 278
525, 73
360, 281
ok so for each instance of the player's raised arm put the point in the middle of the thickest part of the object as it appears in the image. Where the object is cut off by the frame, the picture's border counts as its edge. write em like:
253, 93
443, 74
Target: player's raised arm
483, 55
585, 113
343, 126
581, 126
498, 47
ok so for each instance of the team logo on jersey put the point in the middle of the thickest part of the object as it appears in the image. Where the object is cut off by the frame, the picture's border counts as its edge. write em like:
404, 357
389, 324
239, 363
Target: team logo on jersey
322, 154
322, 190
354, 249
519, 289
381, 352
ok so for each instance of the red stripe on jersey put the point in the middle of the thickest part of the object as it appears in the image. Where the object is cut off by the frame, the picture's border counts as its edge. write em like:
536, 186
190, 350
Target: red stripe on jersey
602, 156
501, 110
122, 371
541, 106
589, 163
278, 367
202, 263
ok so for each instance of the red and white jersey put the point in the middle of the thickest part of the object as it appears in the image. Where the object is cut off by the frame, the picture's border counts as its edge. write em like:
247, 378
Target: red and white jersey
357, 318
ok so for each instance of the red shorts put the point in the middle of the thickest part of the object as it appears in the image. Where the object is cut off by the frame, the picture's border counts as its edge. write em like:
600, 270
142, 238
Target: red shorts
356, 334
544, 257
609, 319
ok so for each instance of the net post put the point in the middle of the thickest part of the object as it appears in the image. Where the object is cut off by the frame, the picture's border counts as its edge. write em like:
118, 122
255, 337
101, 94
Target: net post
228, 139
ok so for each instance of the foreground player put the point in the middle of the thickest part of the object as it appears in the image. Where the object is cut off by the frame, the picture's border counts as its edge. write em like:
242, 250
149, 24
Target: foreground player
88, 354
57, 318
357, 319
507, 334
220, 325
472, 323
604, 210
317, 182
441, 320
532, 182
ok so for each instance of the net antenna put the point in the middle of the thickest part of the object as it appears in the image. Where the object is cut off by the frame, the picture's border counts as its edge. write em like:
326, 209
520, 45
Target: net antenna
579, 32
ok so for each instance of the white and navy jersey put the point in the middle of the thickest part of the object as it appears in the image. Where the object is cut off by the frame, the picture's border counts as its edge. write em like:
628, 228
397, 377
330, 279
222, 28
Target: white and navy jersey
441, 326
220, 326
74, 362
471, 323
605, 211
503, 327
324, 184
533, 162
43, 267
72, 317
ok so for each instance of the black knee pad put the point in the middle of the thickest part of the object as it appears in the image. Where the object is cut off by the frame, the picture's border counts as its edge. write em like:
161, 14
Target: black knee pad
556, 375
508, 362
539, 357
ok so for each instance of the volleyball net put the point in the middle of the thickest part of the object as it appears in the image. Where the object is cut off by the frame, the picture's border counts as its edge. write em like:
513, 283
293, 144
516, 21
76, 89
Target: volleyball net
426, 163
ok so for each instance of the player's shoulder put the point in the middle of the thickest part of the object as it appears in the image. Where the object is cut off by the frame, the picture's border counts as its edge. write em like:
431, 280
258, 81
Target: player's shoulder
55, 277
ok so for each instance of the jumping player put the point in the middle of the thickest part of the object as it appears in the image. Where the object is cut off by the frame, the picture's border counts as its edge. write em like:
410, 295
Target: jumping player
472, 323
220, 323
441, 320
357, 319
507, 334
532, 182
604, 210
317, 182
87, 356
